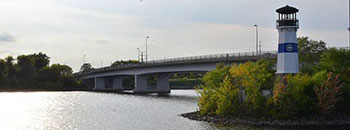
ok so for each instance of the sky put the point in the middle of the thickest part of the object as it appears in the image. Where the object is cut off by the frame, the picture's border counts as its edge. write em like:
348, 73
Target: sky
109, 30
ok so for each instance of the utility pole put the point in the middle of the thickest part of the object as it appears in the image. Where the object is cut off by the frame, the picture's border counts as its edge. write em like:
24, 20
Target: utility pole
257, 38
146, 48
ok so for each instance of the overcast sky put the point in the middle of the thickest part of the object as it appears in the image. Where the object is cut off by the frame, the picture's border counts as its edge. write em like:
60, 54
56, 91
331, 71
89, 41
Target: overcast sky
105, 30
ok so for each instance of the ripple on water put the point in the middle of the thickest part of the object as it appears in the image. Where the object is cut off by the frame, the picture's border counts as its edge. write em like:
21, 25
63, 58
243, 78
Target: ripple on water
90, 110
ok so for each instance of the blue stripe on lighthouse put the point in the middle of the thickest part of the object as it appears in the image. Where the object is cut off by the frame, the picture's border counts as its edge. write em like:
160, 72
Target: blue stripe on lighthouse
287, 48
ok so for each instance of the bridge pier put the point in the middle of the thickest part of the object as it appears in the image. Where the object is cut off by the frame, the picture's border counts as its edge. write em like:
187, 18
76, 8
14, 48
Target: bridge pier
108, 84
142, 84
99, 83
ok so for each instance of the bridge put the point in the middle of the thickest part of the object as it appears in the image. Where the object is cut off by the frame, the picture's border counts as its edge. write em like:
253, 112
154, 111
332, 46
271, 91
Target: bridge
153, 76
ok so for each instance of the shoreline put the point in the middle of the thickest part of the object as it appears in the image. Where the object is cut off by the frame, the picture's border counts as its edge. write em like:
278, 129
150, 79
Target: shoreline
339, 122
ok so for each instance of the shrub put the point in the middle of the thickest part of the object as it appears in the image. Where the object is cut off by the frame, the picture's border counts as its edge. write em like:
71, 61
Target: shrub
344, 106
281, 105
207, 101
228, 98
300, 88
329, 94
252, 77
208, 95
319, 78
213, 78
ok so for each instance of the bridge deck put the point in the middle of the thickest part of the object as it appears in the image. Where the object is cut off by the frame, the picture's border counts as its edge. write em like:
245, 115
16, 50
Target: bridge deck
227, 57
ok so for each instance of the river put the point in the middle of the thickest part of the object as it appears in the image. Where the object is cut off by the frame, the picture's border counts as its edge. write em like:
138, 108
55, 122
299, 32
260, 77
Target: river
101, 111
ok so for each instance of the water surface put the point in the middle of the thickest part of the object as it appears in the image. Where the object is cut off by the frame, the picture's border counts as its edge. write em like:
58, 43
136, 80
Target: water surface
101, 111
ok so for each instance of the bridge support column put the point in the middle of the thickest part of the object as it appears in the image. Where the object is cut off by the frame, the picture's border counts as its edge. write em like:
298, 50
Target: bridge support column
118, 83
140, 84
162, 84
99, 83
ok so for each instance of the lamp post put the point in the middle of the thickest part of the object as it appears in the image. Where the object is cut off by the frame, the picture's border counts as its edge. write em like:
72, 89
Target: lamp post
138, 54
260, 47
349, 27
147, 37
141, 57
84, 59
257, 38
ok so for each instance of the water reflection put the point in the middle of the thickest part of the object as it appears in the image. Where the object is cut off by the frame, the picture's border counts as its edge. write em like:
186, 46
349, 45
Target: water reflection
89, 110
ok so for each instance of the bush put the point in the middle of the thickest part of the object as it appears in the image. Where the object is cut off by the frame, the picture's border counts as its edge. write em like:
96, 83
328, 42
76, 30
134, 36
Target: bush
228, 98
251, 77
221, 90
214, 78
208, 95
329, 94
319, 78
292, 97
344, 106
207, 101
301, 90
281, 105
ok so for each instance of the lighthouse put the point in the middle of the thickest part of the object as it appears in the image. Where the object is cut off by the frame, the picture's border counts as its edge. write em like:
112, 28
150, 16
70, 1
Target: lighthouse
287, 26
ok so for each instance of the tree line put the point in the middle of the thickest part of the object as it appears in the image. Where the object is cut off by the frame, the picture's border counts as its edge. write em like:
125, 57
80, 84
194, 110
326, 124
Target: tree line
34, 72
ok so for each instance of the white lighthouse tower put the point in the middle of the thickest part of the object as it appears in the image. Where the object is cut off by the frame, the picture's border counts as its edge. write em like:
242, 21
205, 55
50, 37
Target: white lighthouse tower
287, 26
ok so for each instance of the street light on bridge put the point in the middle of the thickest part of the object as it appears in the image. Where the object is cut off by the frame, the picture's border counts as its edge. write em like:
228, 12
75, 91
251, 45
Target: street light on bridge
138, 54
147, 37
257, 38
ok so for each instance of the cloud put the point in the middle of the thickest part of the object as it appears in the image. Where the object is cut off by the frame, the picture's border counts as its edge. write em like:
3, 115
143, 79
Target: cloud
5, 37
7, 53
102, 42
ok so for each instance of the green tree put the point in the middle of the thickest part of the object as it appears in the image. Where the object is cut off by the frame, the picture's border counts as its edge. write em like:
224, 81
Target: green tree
337, 61
2, 73
309, 53
27, 74
40, 60
56, 77
208, 95
10, 68
86, 67
121, 63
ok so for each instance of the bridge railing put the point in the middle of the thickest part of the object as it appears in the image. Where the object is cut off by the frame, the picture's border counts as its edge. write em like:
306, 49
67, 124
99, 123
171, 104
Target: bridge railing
201, 58
221, 57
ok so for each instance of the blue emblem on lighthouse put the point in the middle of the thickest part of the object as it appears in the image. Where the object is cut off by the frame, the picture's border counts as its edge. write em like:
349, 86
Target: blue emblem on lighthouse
287, 48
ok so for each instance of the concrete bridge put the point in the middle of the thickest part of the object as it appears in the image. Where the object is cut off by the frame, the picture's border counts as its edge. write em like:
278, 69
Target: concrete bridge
153, 76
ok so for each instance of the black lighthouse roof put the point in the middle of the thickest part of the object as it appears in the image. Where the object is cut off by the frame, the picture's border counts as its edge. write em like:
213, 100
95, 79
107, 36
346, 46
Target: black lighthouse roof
287, 10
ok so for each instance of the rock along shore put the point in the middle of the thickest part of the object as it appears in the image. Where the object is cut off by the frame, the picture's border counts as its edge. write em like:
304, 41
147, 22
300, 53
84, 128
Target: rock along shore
340, 121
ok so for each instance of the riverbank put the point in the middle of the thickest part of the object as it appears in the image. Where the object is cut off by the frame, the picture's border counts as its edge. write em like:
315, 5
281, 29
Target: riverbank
334, 122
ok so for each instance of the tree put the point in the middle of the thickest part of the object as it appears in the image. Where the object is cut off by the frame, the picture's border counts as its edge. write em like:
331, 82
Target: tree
121, 63
337, 61
40, 60
2, 72
309, 53
10, 68
86, 67
27, 74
